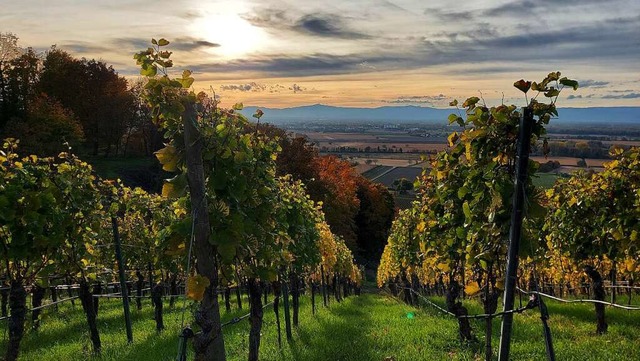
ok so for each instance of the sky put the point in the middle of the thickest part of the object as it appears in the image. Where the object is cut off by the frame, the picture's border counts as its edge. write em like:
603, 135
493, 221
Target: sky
358, 53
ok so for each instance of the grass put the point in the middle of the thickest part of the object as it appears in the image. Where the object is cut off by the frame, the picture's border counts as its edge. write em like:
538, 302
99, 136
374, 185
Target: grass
112, 168
544, 180
368, 327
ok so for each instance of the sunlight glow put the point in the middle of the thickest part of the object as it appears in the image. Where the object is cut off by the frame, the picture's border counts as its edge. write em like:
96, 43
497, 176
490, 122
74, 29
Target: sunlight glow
236, 36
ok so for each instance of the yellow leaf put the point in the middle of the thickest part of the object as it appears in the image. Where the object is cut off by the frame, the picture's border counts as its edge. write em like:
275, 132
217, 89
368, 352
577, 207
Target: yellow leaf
500, 285
169, 158
90, 249
196, 286
453, 137
467, 147
617, 235
572, 201
472, 288
630, 265
421, 226
444, 267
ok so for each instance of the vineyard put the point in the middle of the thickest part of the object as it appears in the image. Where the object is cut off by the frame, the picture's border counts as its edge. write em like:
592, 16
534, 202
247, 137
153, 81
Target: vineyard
229, 240
453, 241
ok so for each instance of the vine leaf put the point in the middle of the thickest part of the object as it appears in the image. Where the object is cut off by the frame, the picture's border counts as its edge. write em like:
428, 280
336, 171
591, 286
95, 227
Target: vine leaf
168, 157
472, 288
523, 85
196, 286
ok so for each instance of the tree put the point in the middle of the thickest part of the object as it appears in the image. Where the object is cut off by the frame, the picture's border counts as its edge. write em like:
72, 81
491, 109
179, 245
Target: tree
336, 186
373, 220
9, 50
93, 91
45, 127
402, 185
20, 78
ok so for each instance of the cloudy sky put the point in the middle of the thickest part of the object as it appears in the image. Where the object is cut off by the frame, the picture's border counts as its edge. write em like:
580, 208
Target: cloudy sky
366, 53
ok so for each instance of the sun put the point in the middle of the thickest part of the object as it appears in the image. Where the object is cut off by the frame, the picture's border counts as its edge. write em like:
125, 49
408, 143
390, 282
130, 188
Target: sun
236, 36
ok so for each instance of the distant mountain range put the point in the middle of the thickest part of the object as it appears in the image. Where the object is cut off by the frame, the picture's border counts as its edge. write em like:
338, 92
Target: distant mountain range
405, 114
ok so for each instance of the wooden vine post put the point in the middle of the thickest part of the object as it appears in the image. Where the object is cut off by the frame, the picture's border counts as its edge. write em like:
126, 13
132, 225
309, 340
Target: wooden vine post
123, 282
515, 233
208, 343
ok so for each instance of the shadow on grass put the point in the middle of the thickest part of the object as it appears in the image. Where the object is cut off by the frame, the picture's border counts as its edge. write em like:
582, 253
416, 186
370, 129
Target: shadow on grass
586, 313
322, 342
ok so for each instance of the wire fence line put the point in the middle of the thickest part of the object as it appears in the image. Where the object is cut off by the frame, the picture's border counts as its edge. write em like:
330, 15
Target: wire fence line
474, 316
532, 304
43, 306
238, 319
628, 308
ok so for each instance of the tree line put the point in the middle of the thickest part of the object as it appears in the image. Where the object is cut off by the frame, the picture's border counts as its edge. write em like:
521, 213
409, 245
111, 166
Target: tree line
49, 96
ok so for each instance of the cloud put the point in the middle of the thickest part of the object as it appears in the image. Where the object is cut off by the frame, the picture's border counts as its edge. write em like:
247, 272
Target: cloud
297, 88
450, 15
592, 83
323, 25
185, 43
306, 65
249, 87
608, 40
190, 44
190, 15
476, 50
522, 8
82, 47
439, 99
326, 25
254, 87
622, 96
617, 94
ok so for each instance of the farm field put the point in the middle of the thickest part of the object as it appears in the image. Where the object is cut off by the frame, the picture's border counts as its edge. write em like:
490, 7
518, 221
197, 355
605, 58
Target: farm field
571, 161
373, 140
367, 327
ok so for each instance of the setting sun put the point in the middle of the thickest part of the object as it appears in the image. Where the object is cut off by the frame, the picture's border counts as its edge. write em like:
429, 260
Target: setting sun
236, 36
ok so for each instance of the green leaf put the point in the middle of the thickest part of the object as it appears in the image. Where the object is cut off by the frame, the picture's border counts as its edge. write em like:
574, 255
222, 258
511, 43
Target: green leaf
466, 210
552, 92
454, 118
238, 106
186, 82
148, 70
163, 42
471, 102
227, 252
568, 82
523, 85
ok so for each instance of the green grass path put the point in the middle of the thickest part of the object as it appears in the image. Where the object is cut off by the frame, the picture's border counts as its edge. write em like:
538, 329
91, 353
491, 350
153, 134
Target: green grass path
369, 327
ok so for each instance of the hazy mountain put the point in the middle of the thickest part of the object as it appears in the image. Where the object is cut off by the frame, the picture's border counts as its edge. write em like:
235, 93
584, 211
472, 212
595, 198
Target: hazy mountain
402, 114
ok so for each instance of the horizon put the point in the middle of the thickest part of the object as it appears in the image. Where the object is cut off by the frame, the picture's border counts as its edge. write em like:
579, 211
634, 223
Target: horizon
417, 106
362, 54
